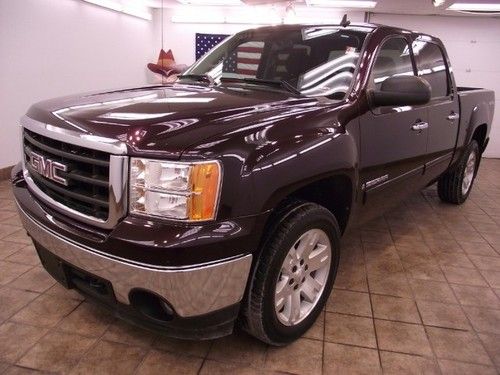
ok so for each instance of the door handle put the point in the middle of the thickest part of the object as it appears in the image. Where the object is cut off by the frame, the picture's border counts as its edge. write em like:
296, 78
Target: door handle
453, 116
419, 126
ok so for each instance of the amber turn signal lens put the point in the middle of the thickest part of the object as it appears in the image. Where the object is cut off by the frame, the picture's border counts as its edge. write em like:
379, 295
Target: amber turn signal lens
205, 180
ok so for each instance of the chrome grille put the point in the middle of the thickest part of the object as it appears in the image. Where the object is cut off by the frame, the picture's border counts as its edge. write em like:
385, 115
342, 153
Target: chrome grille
87, 174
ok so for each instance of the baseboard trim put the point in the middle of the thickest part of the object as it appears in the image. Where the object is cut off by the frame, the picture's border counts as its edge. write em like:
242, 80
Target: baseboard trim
5, 173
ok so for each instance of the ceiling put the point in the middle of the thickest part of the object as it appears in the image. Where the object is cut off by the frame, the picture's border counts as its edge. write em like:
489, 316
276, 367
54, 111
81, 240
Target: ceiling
383, 6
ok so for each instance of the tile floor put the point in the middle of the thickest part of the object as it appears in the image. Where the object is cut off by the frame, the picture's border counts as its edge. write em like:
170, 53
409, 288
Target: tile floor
418, 291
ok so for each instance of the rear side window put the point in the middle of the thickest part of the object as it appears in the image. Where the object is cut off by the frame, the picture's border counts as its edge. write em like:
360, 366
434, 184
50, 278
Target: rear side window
393, 59
431, 66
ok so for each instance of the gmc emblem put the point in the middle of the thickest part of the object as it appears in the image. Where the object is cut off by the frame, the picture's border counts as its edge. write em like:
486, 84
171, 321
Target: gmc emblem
48, 168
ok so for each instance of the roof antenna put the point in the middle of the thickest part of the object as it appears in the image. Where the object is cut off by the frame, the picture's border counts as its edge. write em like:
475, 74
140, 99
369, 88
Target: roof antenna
345, 22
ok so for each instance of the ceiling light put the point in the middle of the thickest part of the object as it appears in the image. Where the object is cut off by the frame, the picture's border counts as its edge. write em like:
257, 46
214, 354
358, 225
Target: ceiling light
107, 4
343, 3
475, 7
210, 2
123, 6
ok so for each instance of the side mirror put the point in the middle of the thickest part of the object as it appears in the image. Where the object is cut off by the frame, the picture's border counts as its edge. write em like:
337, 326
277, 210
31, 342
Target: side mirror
401, 91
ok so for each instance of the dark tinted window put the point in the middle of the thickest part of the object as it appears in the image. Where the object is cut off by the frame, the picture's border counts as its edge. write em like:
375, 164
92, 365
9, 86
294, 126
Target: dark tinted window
393, 59
317, 61
431, 66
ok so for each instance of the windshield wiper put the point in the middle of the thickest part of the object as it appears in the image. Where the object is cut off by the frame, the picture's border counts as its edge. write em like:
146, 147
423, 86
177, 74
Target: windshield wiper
282, 84
198, 77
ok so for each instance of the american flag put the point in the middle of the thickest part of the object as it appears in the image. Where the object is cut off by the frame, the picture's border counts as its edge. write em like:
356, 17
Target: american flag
205, 42
244, 61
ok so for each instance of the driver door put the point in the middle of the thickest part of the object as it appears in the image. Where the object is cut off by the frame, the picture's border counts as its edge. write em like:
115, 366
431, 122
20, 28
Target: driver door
393, 139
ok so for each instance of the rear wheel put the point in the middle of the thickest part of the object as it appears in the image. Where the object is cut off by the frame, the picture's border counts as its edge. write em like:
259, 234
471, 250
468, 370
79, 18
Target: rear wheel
455, 185
294, 275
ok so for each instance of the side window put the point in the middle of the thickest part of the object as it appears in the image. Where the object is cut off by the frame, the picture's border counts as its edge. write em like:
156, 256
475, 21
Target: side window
393, 59
431, 66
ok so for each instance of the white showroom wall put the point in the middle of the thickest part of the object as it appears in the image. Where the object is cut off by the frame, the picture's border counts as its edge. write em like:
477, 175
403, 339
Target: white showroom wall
50, 48
473, 44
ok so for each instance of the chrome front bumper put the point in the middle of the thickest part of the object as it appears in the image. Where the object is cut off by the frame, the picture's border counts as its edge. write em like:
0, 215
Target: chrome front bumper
190, 291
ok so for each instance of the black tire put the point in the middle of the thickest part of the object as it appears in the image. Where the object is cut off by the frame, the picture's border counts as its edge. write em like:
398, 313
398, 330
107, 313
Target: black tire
260, 317
450, 184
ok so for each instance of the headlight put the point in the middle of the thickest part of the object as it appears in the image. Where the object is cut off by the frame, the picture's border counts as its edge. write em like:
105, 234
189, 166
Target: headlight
175, 190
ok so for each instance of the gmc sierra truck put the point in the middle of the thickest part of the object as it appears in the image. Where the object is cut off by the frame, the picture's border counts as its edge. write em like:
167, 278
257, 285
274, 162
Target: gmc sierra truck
221, 199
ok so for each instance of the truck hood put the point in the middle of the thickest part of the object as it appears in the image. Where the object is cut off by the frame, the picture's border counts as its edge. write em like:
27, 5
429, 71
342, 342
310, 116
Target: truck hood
169, 119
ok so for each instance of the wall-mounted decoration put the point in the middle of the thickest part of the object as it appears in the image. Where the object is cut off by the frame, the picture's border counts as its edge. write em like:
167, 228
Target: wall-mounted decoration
166, 66
205, 42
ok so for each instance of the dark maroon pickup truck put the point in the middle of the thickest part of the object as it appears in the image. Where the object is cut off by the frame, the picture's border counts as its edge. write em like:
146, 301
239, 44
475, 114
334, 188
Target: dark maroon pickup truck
222, 197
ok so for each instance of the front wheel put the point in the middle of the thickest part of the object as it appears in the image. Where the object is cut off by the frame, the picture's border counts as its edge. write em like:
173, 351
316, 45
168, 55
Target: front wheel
455, 185
294, 274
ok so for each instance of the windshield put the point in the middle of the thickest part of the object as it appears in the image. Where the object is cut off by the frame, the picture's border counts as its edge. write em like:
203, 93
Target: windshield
315, 61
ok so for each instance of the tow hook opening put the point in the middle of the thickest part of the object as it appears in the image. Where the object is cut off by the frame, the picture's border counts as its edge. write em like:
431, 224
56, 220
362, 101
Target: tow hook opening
151, 305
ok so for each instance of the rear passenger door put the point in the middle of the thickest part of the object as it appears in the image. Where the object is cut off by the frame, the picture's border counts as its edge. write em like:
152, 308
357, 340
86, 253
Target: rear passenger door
443, 107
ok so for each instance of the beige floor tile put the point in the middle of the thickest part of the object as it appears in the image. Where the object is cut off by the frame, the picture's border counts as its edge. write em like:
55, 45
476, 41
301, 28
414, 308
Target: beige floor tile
427, 271
486, 263
88, 319
483, 320
343, 359
472, 248
460, 368
45, 311
397, 363
16, 339
110, 357
18, 370
126, 333
491, 343
392, 285
492, 277
351, 279
35, 280
12, 300
240, 349
7, 205
476, 296
465, 276
402, 337
158, 362
61, 292
317, 331
395, 308
453, 260
211, 367
6, 229
56, 352
443, 315
457, 345
8, 248
200, 348
349, 329
428, 290
19, 236
302, 356
349, 302
26, 255
3, 367
10, 271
